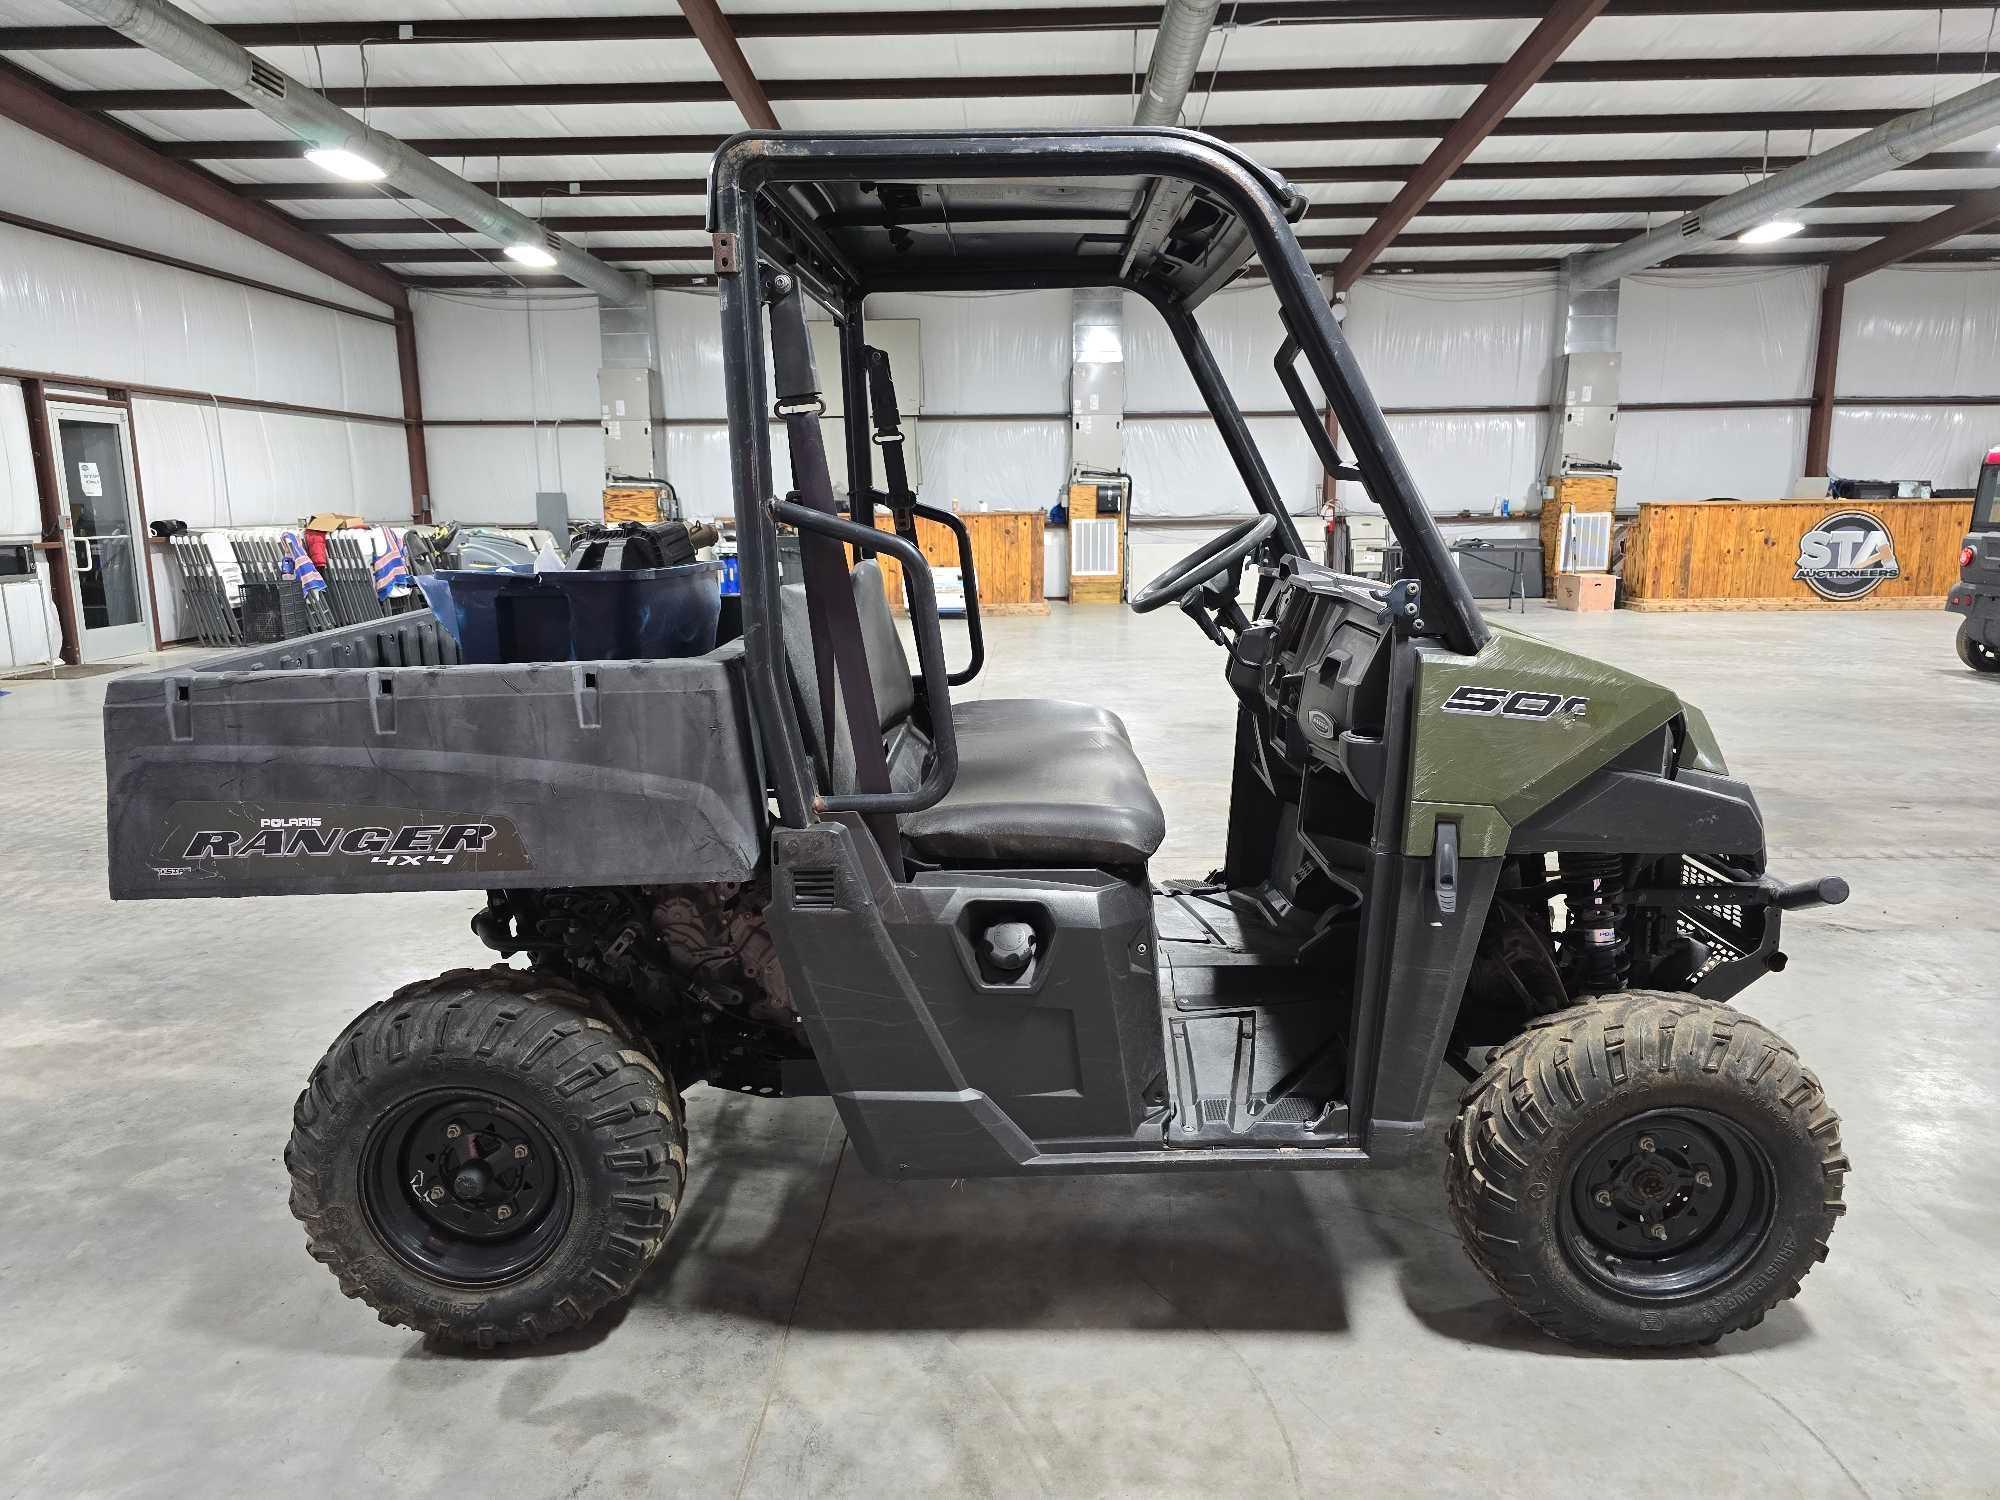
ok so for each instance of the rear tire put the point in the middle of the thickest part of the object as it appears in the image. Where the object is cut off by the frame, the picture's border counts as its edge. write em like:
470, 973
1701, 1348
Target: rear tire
1976, 654
1645, 1170
481, 1159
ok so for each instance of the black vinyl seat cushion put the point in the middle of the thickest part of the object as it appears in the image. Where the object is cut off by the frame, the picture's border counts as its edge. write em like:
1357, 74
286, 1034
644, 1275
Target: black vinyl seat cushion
1040, 781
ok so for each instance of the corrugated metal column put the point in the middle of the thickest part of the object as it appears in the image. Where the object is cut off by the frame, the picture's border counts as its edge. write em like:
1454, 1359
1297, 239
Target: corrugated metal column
1583, 399
632, 397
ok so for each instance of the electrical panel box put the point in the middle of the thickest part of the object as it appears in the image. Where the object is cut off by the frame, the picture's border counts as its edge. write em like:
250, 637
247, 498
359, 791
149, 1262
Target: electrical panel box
626, 399
1590, 407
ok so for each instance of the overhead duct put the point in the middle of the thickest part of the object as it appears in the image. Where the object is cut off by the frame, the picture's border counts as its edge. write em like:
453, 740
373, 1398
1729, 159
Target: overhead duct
1177, 52
1177, 49
205, 52
1902, 141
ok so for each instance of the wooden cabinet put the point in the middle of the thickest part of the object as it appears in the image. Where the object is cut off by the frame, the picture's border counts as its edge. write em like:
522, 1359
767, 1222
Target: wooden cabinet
1006, 554
1771, 554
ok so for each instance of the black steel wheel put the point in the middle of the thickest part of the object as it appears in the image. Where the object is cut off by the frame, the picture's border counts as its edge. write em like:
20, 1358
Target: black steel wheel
1646, 1170
1668, 1203
1976, 654
482, 1158
465, 1186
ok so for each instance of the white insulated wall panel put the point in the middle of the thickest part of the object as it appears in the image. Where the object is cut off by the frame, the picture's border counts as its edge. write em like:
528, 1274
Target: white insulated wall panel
40, 179
1442, 341
20, 507
1944, 444
99, 316
226, 466
1922, 331
1699, 455
1718, 335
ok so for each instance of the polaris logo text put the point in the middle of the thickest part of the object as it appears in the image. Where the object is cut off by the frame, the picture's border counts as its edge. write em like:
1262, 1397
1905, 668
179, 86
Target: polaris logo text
1512, 703
289, 838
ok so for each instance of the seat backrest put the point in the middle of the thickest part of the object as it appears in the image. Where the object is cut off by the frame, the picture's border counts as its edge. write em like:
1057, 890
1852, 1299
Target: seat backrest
888, 671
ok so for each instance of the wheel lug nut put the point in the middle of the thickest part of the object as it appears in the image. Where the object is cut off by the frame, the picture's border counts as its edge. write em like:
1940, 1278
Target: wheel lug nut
1604, 1197
436, 1195
521, 1154
453, 1131
1702, 1180
1658, 1231
504, 1212
1646, 1144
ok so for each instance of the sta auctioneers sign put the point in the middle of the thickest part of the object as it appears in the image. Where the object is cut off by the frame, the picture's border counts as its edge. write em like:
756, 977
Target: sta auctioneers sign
1846, 556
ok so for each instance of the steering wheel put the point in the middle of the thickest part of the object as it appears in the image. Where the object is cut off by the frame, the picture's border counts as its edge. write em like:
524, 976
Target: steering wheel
1202, 564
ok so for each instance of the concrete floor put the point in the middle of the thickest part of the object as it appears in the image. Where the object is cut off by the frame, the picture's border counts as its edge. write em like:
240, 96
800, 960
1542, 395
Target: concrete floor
809, 1330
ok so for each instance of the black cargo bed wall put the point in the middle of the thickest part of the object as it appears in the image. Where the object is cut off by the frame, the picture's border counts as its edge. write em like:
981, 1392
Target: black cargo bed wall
325, 765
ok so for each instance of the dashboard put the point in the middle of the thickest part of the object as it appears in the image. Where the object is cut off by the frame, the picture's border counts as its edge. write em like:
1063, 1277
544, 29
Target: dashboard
1314, 671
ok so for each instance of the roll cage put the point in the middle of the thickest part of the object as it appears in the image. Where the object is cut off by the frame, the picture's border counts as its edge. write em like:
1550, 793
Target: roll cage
835, 211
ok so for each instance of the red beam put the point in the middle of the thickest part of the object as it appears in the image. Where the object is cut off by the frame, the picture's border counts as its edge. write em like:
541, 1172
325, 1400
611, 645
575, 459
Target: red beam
28, 104
1068, 85
1968, 216
1521, 72
413, 416
849, 20
719, 42
1826, 370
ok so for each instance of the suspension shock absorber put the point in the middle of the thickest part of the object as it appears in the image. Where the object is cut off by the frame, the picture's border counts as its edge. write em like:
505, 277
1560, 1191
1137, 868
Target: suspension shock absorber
1595, 887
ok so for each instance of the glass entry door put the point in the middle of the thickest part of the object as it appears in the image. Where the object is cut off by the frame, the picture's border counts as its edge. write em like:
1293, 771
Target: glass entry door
101, 527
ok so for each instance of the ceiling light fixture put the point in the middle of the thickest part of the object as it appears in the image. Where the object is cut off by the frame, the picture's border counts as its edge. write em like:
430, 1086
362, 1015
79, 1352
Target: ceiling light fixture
540, 257
1769, 231
343, 163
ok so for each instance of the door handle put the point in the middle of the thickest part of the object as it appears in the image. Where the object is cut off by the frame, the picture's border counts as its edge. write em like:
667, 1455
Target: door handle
87, 562
1447, 868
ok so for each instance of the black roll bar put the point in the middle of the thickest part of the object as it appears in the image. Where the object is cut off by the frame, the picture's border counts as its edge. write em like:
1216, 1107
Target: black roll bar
1286, 363
750, 161
1229, 420
976, 637
943, 770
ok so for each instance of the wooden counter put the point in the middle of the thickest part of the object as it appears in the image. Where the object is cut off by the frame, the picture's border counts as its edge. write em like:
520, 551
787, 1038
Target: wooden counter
1006, 554
1745, 554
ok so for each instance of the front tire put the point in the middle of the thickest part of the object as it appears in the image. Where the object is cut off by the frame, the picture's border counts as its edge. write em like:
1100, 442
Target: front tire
1645, 1170
482, 1159
1976, 654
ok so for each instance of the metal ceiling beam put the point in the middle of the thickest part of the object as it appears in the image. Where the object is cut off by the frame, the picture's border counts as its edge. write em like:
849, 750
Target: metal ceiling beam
394, 32
1475, 171
697, 249
1456, 266
1884, 149
254, 83
1522, 71
1473, 208
1068, 85
1976, 212
1737, 122
27, 103
1627, 166
711, 29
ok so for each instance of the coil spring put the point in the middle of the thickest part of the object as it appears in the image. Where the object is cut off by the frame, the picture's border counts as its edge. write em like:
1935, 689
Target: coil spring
1595, 895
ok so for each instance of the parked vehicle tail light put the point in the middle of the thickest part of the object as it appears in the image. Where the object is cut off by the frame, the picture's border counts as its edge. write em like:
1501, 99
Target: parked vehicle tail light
1965, 556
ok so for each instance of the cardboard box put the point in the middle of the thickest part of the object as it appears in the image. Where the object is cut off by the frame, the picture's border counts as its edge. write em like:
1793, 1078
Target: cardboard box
1585, 591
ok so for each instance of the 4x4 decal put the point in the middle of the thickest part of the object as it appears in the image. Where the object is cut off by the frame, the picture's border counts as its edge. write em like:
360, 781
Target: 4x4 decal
1515, 703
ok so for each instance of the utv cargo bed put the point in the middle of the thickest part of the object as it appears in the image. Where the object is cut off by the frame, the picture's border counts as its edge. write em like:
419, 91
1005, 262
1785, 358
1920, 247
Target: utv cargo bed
371, 759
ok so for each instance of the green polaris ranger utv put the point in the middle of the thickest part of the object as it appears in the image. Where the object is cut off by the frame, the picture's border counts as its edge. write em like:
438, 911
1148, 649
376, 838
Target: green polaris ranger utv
795, 865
